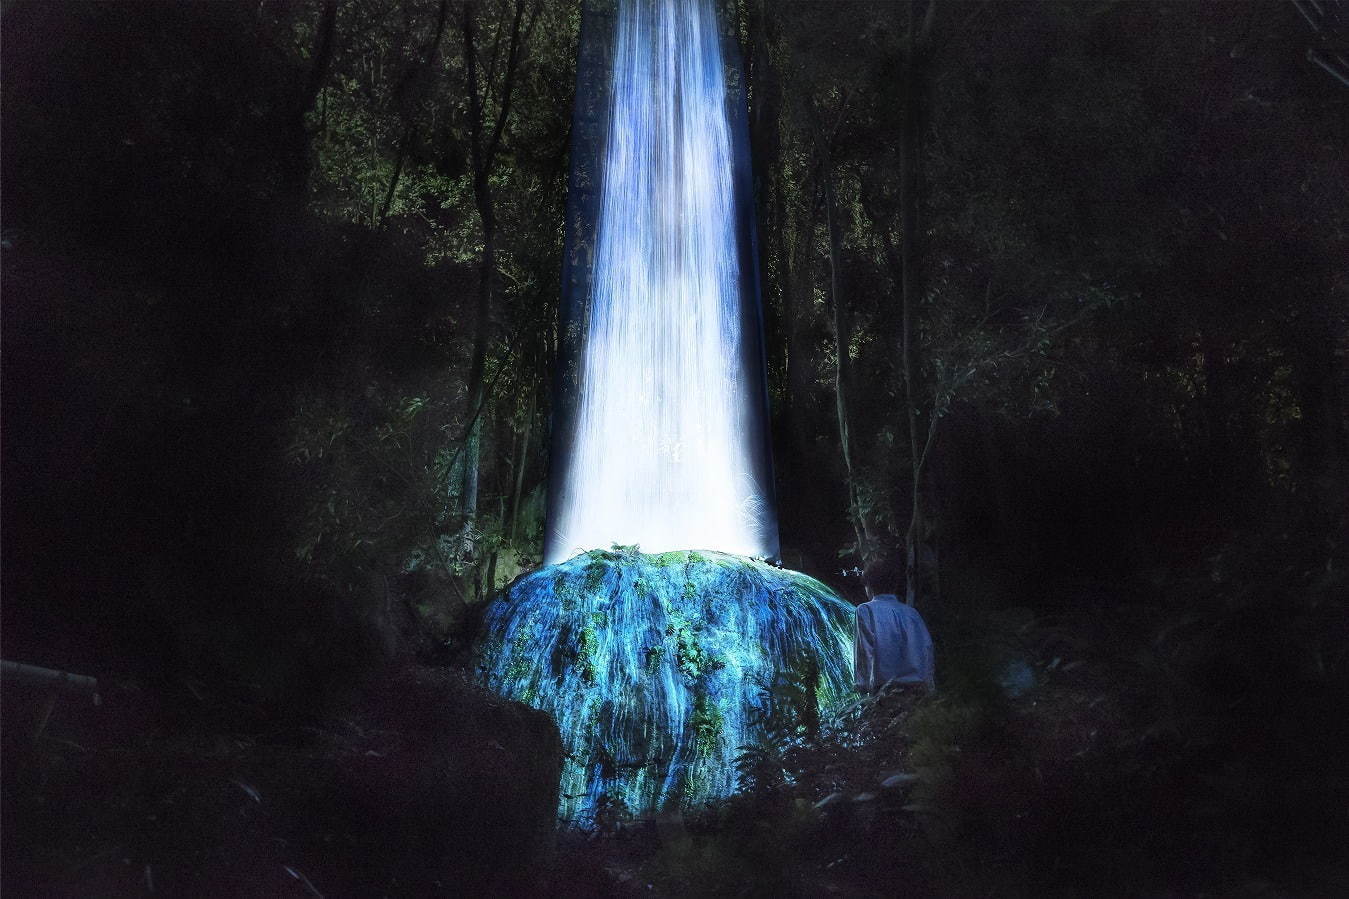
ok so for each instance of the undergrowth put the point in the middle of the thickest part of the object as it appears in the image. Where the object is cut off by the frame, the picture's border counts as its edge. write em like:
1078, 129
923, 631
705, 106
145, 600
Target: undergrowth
1186, 738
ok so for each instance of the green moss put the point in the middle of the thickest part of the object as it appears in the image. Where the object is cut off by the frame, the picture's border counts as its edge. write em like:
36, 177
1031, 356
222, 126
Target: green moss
564, 591
522, 659
653, 656
586, 642
522, 640
691, 658
687, 652
707, 722
520, 668
593, 576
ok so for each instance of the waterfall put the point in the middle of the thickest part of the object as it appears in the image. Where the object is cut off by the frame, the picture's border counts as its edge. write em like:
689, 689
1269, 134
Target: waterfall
653, 635
666, 448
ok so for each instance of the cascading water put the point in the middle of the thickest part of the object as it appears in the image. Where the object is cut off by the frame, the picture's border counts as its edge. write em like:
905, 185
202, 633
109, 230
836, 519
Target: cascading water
667, 437
656, 629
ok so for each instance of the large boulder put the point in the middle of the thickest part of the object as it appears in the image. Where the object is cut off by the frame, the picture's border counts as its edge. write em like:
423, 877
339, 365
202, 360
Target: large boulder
423, 785
456, 782
655, 667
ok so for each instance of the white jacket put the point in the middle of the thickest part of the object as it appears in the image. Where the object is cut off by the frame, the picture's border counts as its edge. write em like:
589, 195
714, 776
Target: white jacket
892, 644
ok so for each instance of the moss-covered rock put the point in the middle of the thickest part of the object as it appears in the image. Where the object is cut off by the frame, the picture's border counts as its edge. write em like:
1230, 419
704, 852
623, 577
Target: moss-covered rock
653, 665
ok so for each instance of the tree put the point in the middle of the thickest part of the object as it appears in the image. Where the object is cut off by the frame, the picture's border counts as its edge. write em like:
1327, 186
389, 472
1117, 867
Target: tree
486, 129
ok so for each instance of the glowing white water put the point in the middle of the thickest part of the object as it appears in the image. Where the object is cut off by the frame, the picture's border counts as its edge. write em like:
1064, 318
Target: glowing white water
654, 664
665, 439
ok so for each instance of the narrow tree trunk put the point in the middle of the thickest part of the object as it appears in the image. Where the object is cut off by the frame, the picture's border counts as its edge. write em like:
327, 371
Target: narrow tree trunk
413, 86
294, 167
798, 297
397, 174
523, 457
909, 179
766, 142
483, 147
476, 373
843, 370
489, 578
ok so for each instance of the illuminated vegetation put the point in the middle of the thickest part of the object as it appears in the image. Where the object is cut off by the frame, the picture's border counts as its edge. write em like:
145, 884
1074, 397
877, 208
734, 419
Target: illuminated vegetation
655, 694
242, 293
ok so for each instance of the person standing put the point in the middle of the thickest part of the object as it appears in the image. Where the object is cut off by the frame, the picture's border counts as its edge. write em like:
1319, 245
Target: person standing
892, 644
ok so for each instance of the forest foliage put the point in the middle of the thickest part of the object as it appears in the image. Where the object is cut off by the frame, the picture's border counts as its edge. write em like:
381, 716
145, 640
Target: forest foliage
282, 284
1055, 300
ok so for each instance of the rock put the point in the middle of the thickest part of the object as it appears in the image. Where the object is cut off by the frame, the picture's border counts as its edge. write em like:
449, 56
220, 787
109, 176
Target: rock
460, 776
654, 667
423, 782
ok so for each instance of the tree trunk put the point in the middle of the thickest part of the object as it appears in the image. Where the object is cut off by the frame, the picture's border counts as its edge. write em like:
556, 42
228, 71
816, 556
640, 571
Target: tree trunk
483, 151
518, 491
294, 167
910, 183
476, 373
403, 145
798, 291
843, 370
407, 94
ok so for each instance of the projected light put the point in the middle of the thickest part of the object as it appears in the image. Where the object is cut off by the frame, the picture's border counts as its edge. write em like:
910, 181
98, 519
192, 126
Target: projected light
654, 667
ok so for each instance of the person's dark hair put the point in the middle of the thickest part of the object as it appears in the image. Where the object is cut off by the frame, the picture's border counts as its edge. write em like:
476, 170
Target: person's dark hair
884, 574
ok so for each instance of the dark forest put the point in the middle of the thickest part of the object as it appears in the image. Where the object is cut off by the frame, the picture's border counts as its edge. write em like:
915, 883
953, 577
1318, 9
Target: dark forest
1056, 309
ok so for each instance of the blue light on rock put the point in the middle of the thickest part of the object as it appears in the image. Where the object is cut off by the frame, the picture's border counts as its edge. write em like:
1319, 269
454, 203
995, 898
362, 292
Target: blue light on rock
653, 666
